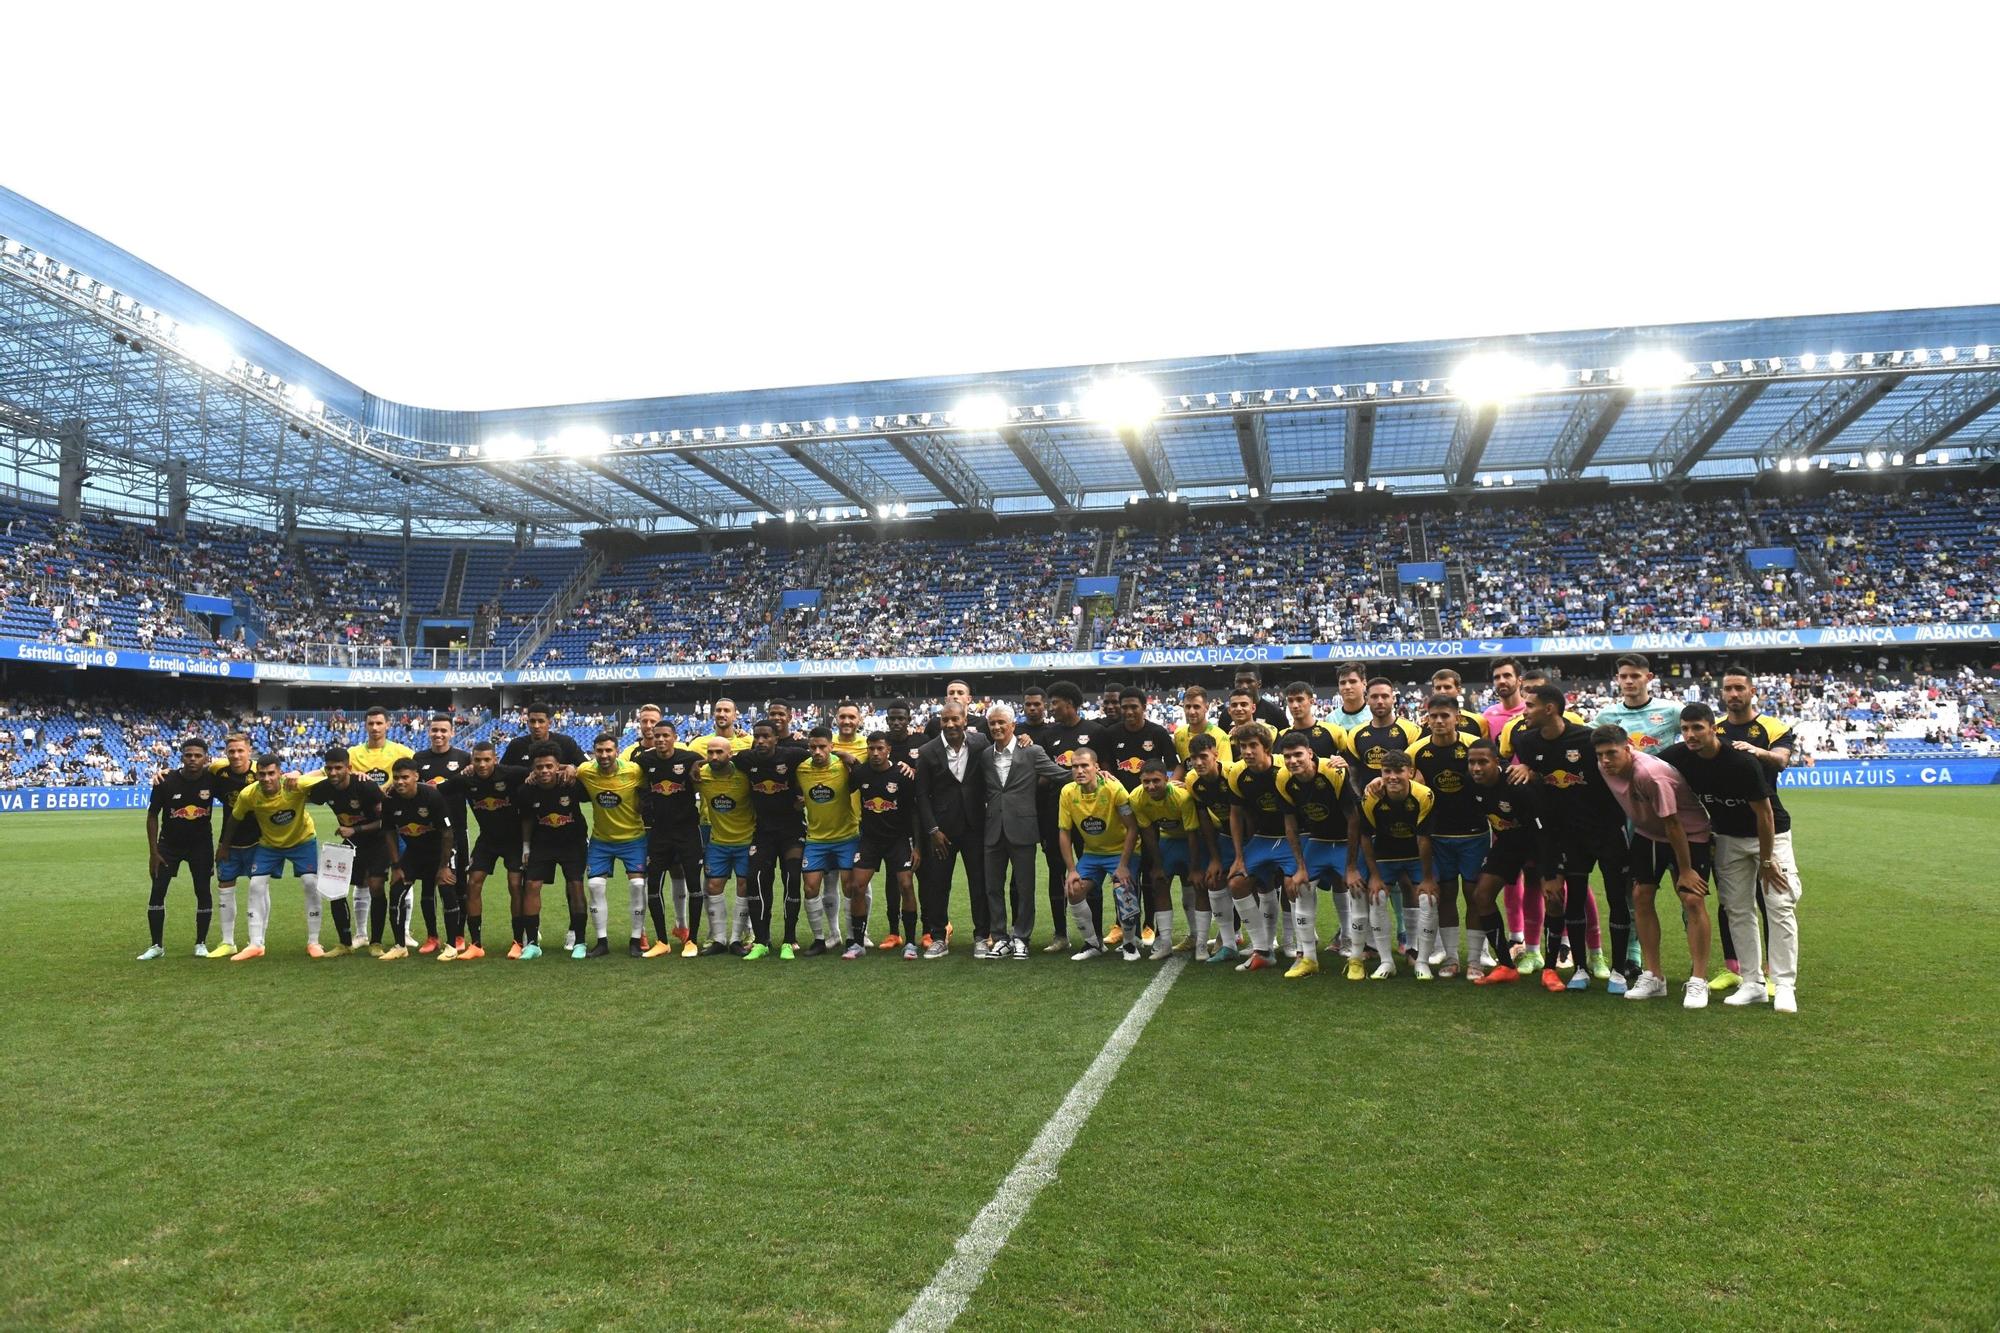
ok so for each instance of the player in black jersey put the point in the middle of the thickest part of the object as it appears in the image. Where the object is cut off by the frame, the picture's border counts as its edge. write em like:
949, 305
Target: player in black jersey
1459, 836
1061, 733
777, 856
1327, 739
1261, 709
887, 793
1589, 831
554, 837
488, 788
1520, 848
421, 817
356, 804
1208, 783
519, 751
673, 841
236, 845
1124, 747
439, 765
185, 798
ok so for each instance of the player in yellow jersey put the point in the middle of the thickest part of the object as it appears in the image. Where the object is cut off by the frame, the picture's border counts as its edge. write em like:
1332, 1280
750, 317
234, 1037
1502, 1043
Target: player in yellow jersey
285, 836
724, 790
1098, 832
617, 835
1194, 722
375, 758
833, 833
848, 742
1169, 821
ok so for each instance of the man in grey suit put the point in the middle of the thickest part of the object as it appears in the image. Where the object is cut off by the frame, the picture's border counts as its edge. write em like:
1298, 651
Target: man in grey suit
1012, 768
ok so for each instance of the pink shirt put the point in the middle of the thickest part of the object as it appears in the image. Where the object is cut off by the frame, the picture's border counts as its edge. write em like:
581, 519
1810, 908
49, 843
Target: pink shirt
1653, 790
1497, 717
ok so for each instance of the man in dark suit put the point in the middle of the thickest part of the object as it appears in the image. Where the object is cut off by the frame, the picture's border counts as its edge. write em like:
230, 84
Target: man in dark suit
951, 813
1012, 768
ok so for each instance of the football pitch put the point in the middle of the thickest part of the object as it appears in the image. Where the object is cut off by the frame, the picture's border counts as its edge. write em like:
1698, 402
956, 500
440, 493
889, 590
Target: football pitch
707, 1142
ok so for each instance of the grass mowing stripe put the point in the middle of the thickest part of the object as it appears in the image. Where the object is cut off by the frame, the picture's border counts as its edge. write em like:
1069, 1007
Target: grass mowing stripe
939, 1305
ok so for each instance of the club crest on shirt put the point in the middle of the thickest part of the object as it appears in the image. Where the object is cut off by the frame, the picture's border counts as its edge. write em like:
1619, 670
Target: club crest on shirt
1574, 756
562, 800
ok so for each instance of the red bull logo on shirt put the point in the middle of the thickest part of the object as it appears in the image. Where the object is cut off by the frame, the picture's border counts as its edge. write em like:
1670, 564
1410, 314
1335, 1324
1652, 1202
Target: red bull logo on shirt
188, 812
555, 819
880, 805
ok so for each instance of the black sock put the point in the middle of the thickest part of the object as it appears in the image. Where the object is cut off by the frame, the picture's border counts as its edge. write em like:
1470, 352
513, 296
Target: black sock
1496, 936
909, 925
472, 928
857, 927
343, 922
531, 927
204, 908
430, 911
517, 921
378, 915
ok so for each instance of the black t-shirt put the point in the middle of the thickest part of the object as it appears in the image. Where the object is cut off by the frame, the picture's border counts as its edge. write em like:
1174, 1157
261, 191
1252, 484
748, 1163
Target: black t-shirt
491, 800
1766, 733
1325, 744
359, 802
185, 805
904, 751
1443, 769
1212, 795
1123, 753
422, 819
227, 785
1263, 808
1578, 800
1061, 742
567, 750
1323, 806
669, 803
773, 796
442, 769
1726, 784
554, 815
1514, 813
1272, 715
888, 802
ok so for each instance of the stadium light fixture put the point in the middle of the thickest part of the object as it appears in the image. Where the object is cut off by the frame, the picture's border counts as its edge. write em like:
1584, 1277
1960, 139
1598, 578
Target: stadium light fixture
1875, 458
581, 442
1496, 377
1948, 354
1123, 401
1339, 391
902, 509
1653, 369
1807, 361
1717, 368
1235, 398
1485, 479
1838, 360
1785, 463
1369, 388
791, 515
1507, 479
507, 448
1918, 357
1867, 359
1360, 486
1255, 493
207, 348
981, 411
1895, 460
1395, 386
1232, 493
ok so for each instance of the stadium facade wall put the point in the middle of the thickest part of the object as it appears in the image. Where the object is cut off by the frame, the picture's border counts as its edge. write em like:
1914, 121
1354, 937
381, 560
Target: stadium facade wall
1840, 774
1583, 645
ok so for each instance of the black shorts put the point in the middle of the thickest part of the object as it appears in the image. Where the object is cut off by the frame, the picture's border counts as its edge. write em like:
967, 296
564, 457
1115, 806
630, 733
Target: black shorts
1511, 857
872, 853
1653, 861
1582, 849
199, 859
676, 852
371, 858
490, 852
776, 844
544, 862
417, 865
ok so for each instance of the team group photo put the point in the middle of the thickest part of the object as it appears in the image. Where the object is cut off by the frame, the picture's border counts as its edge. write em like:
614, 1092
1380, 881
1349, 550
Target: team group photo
1064, 668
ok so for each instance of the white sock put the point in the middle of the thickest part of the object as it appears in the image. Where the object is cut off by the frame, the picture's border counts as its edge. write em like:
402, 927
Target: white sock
1163, 930
638, 883
718, 918
1079, 913
1194, 904
1202, 921
1382, 927
868, 903
1358, 922
1343, 907
1450, 934
1427, 917
1260, 921
364, 901
1222, 907
1277, 921
260, 908
739, 919
1305, 921
226, 905
816, 914
600, 906
307, 883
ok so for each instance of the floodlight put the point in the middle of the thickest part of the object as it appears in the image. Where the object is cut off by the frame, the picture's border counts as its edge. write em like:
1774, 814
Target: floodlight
1360, 486
1235, 398
1123, 401
1395, 386
1339, 391
1807, 361
1496, 377
1232, 493
1875, 458
1654, 369
1749, 367
1785, 463
1270, 394
1173, 497
902, 509
1838, 360
1948, 354
1485, 479
1919, 356
1507, 479
1254, 493
1381, 485
982, 411
1210, 399
1717, 368
854, 423
1867, 359
1895, 460
1981, 352
1312, 394
581, 442
456, 451
1062, 409
207, 348
1369, 388
507, 447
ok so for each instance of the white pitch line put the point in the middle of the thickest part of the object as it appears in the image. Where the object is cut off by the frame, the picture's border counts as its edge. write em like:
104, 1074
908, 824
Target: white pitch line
941, 1303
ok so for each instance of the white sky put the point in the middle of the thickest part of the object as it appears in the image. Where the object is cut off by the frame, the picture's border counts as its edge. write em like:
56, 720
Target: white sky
566, 203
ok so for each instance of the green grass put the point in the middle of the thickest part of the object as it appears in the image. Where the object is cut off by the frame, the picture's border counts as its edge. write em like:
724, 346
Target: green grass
700, 1143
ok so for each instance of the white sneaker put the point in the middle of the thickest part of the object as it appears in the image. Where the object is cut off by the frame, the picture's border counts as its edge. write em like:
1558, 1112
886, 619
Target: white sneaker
1131, 950
1163, 949
1088, 952
1384, 972
1424, 971
1201, 951
1438, 957
1647, 987
1786, 1001
1695, 995
152, 951
1744, 995
979, 950
360, 941
201, 950
1487, 962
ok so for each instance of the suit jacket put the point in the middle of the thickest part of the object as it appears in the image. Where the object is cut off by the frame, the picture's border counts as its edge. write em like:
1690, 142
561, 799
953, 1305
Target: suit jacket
1011, 808
943, 802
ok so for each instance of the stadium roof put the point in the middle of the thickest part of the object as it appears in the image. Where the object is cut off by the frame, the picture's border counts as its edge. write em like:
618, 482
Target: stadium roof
96, 341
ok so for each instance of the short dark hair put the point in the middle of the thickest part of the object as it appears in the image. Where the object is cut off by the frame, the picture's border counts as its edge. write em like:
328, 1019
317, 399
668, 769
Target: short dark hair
1631, 660
1380, 680
602, 737
1442, 701
1112, 687
335, 754
195, 743
822, 732
1446, 673
1250, 733
1737, 669
1293, 740
1397, 761
1196, 691
1346, 669
1132, 692
535, 708
855, 704
1035, 692
763, 724
776, 703
544, 749
1698, 712
881, 736
1484, 744
1153, 766
1254, 673
1298, 687
1200, 743
1499, 662
1067, 690
445, 718
894, 704
1242, 692
376, 710
1547, 693
1610, 734
482, 747
268, 760
404, 765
